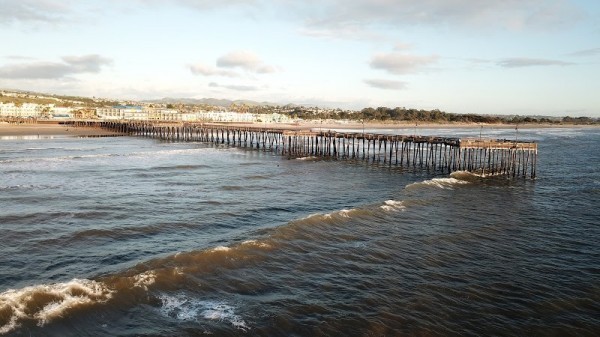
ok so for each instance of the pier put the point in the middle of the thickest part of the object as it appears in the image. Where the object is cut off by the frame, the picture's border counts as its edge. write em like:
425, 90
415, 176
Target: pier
479, 156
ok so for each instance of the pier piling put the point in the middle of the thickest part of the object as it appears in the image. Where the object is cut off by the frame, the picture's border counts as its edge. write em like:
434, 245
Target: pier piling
444, 154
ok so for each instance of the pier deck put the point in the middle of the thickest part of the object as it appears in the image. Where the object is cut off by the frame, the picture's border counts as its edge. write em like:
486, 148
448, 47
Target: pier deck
444, 154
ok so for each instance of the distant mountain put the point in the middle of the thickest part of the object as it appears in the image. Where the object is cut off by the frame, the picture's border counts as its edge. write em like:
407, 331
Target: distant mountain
209, 101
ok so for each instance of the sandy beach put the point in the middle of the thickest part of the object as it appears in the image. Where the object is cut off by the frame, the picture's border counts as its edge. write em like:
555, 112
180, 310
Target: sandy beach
51, 130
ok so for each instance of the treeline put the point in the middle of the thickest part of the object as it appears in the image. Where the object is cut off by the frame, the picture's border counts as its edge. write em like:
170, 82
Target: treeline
427, 116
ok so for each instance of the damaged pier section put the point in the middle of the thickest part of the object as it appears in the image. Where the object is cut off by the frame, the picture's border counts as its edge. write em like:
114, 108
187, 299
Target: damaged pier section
444, 154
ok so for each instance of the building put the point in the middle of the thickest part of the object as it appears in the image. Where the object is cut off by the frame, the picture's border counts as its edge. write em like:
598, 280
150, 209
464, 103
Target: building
118, 112
25, 110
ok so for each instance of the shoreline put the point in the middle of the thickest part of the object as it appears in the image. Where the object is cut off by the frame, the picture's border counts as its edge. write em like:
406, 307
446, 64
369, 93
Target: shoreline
7, 129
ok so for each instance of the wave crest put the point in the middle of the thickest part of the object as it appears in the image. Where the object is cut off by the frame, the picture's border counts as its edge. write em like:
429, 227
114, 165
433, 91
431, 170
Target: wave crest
443, 183
393, 205
43, 303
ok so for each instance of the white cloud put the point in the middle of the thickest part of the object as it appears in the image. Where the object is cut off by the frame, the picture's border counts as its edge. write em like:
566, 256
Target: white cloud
398, 63
206, 70
228, 64
71, 65
519, 62
41, 11
245, 60
511, 14
242, 59
386, 84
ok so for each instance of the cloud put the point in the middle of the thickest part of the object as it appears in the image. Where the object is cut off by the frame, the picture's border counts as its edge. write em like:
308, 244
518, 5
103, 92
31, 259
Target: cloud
519, 62
206, 70
71, 65
234, 87
354, 31
506, 14
86, 63
386, 84
245, 60
586, 52
41, 11
398, 63
403, 46
228, 64
202, 4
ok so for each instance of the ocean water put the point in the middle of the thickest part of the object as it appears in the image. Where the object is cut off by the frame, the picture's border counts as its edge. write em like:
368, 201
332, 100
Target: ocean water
127, 236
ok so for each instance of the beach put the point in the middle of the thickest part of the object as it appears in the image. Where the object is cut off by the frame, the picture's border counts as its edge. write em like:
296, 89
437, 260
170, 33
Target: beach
7, 129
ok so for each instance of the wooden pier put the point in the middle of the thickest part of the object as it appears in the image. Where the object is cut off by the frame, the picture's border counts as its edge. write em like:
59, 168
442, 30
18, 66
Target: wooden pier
443, 154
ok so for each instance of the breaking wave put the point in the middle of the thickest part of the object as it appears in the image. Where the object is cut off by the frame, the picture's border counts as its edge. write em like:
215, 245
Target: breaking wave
443, 183
43, 303
393, 205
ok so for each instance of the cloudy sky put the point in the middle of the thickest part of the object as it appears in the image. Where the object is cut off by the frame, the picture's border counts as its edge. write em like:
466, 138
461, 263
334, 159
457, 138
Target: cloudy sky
463, 56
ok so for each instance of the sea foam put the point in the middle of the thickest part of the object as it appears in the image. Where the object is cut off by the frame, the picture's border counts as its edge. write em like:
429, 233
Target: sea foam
145, 279
184, 308
443, 183
45, 302
393, 205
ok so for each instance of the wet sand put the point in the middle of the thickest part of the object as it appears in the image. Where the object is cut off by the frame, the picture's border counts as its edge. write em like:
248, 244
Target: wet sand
51, 130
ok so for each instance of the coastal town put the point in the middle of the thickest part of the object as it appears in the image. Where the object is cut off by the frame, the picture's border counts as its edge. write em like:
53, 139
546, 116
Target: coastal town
24, 106
19, 105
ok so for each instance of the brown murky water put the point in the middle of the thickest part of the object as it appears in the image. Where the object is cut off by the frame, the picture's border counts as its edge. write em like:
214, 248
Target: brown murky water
134, 237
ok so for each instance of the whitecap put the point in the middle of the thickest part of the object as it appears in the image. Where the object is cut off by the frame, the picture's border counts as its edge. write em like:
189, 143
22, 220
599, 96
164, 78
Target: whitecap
220, 249
307, 158
185, 308
256, 244
443, 183
144, 280
393, 205
50, 301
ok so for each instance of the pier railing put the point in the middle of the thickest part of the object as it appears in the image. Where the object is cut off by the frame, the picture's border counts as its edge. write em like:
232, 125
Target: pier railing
444, 154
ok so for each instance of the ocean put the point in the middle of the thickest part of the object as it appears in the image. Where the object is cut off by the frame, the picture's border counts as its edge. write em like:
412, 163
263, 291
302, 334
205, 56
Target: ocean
125, 236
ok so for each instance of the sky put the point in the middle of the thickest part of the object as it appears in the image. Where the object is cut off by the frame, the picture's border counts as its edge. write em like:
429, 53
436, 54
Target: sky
527, 57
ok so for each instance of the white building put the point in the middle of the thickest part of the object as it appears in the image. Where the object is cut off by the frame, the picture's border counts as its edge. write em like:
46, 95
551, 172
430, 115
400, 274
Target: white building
24, 110
129, 112
225, 116
159, 114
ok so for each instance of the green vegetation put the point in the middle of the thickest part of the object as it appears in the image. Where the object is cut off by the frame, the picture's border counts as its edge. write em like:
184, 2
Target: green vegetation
58, 100
383, 114
380, 114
